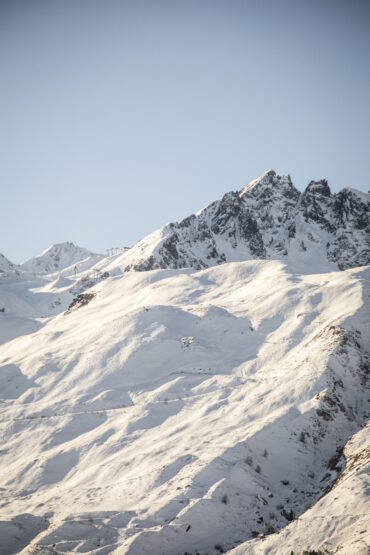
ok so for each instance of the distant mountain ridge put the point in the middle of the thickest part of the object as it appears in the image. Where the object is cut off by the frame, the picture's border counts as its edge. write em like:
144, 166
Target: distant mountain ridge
60, 256
267, 219
6, 265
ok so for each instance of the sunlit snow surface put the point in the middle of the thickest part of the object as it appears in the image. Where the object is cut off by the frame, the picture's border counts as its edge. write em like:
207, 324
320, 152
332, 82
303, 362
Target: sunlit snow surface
183, 411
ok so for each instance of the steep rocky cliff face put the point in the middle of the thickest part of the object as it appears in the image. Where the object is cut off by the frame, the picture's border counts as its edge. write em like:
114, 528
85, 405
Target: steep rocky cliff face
267, 219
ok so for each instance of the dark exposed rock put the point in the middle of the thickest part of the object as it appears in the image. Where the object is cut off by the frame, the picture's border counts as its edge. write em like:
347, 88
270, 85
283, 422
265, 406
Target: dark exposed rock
317, 204
169, 247
291, 230
319, 188
228, 208
349, 207
81, 300
249, 230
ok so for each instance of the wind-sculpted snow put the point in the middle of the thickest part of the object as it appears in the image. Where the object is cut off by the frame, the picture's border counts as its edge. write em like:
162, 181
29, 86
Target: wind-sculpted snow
267, 219
186, 411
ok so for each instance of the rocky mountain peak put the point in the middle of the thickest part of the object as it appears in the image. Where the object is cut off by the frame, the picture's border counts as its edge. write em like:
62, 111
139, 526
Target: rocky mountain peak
269, 184
320, 187
267, 219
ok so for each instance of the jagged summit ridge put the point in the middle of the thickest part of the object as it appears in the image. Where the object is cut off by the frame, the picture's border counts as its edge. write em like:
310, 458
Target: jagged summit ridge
268, 219
269, 180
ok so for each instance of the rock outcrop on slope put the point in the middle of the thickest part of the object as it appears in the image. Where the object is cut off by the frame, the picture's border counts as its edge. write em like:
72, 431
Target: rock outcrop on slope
43, 286
267, 219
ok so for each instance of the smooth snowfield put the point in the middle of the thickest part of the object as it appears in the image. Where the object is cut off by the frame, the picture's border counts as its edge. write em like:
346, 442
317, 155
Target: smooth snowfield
182, 411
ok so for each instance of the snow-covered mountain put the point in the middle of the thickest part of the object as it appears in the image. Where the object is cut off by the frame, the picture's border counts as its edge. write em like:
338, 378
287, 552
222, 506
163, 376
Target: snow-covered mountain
6, 266
41, 288
62, 256
184, 409
267, 219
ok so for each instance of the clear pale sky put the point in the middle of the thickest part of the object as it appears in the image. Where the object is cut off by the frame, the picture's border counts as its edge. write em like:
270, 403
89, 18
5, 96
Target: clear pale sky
117, 117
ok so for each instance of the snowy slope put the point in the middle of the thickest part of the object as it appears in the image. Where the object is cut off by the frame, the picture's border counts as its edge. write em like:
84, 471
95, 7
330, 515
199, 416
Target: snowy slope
267, 219
35, 291
182, 411
215, 401
339, 522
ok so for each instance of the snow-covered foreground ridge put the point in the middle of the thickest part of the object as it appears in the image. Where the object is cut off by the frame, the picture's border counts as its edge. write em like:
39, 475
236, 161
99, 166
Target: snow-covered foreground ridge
182, 411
